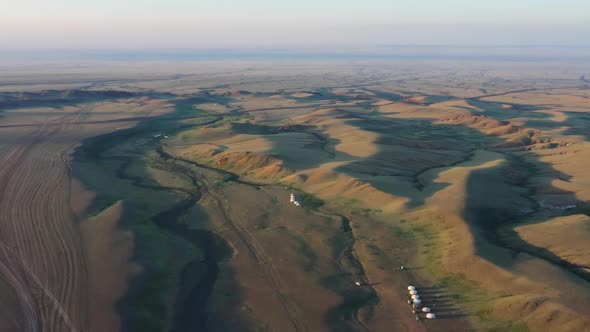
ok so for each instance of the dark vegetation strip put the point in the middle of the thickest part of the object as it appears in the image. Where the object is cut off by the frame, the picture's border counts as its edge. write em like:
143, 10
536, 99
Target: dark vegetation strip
416, 176
345, 316
199, 275
266, 269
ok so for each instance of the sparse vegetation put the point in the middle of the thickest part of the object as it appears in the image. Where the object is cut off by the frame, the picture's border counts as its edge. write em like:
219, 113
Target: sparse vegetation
480, 191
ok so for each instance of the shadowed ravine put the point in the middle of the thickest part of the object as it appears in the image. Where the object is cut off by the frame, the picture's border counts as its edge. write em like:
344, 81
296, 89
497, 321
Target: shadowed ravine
199, 275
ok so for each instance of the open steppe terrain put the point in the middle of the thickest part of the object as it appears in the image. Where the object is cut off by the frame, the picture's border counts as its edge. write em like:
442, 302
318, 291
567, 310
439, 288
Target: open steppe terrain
160, 201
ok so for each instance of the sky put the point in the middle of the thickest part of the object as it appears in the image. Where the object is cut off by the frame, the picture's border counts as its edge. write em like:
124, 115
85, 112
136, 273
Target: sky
202, 24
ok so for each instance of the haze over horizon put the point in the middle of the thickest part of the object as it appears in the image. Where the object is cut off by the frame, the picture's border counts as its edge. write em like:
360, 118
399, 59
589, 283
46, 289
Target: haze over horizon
182, 24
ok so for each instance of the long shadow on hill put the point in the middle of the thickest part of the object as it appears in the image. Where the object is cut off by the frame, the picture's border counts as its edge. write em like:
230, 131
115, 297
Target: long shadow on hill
494, 222
500, 111
485, 218
317, 142
385, 95
327, 97
318, 98
407, 149
578, 123
256, 129
428, 99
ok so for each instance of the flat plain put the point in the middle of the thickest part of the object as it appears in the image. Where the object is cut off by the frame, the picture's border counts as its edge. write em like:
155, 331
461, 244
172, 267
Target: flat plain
156, 197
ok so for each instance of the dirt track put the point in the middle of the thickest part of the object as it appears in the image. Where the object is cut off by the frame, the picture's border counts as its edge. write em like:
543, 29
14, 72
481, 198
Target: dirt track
37, 223
42, 258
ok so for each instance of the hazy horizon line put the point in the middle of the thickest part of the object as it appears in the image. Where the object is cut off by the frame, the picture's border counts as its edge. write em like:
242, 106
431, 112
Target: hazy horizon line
500, 52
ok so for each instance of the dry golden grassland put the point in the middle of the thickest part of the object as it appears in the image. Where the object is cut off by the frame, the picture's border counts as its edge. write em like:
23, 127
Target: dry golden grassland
165, 205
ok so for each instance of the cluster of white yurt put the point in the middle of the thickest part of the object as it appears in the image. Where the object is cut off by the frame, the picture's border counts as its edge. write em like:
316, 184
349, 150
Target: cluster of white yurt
415, 301
294, 200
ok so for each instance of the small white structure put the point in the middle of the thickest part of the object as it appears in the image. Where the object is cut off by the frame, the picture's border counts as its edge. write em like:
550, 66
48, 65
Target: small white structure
294, 200
417, 302
413, 292
426, 309
415, 297
411, 288
431, 316
358, 283
157, 135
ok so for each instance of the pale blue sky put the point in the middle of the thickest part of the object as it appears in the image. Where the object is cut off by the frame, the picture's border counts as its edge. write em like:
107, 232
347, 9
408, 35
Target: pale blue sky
202, 23
417, 11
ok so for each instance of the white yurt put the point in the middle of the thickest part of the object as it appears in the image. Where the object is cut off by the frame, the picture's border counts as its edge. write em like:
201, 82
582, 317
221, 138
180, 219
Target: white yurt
430, 316
417, 302
411, 288
415, 297
426, 309
413, 292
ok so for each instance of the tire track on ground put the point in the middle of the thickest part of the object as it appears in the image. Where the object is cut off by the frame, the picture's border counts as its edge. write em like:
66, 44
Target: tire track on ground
36, 217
